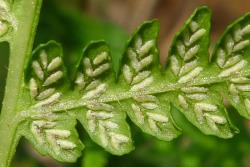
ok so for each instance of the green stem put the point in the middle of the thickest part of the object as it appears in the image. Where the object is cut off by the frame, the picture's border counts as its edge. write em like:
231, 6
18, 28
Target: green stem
26, 15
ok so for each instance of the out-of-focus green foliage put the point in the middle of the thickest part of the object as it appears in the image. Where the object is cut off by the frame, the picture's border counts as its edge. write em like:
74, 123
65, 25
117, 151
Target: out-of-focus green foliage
3, 67
74, 30
95, 158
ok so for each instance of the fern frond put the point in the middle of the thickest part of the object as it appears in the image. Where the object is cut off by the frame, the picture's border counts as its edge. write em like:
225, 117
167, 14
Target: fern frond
192, 81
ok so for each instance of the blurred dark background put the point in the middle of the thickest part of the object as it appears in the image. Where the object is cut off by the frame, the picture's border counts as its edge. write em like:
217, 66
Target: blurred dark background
76, 22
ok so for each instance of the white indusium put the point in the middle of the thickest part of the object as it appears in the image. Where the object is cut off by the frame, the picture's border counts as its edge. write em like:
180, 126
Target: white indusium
45, 132
230, 59
185, 67
47, 72
137, 74
100, 116
5, 21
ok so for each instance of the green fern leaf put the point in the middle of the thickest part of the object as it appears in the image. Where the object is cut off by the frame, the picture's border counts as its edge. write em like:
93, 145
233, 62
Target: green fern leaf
101, 116
142, 78
50, 133
144, 90
231, 57
189, 68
